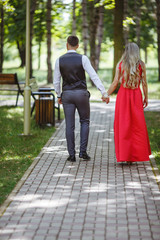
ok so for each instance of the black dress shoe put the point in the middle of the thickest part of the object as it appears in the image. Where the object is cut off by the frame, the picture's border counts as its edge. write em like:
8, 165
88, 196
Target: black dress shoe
71, 159
84, 156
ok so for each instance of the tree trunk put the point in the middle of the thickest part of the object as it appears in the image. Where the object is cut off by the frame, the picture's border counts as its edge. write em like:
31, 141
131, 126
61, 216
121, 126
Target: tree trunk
138, 18
33, 8
158, 35
125, 31
74, 18
99, 35
118, 32
84, 25
1, 36
146, 56
49, 8
39, 55
22, 53
94, 18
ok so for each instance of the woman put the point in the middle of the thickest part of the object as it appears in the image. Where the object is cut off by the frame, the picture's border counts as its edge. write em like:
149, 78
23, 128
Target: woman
130, 131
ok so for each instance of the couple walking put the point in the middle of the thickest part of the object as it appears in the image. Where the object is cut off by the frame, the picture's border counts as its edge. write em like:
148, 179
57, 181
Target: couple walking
130, 131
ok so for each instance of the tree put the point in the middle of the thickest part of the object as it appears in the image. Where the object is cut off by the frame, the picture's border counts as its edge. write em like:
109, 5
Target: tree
138, 5
74, 18
143, 31
99, 36
118, 31
5, 7
40, 27
32, 11
125, 30
158, 35
48, 26
93, 24
84, 26
1, 35
97, 10
16, 26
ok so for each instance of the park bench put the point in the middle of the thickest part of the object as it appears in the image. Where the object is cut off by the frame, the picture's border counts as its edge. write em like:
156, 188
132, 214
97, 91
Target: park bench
10, 83
44, 102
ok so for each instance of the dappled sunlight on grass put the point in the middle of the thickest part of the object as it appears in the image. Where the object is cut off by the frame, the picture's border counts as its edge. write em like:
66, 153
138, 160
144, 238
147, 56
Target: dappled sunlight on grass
16, 151
153, 123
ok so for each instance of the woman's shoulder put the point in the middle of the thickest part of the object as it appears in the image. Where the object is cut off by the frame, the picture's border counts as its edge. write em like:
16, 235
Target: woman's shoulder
142, 64
119, 65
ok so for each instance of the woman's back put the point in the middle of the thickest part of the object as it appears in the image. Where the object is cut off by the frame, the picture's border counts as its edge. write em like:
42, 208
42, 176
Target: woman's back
129, 80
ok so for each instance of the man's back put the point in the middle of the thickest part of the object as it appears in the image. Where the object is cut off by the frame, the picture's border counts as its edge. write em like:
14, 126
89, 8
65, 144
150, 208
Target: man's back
72, 71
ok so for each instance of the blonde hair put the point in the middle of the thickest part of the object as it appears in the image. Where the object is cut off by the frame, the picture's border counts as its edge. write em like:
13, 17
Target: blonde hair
130, 66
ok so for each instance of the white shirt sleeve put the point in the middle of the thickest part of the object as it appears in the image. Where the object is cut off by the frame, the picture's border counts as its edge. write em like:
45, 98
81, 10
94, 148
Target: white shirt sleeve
92, 73
57, 79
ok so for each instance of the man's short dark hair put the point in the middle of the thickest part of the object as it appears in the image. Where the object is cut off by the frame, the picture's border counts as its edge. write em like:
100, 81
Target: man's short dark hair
73, 40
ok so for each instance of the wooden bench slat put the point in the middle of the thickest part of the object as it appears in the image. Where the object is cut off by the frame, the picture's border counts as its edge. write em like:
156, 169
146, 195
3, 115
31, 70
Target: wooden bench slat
10, 79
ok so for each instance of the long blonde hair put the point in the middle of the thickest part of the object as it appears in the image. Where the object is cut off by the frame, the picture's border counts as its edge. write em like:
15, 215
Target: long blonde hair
130, 66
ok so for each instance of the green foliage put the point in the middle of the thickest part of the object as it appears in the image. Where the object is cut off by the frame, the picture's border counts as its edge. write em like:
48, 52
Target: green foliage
147, 22
108, 4
17, 152
15, 22
40, 22
108, 25
7, 6
127, 22
153, 123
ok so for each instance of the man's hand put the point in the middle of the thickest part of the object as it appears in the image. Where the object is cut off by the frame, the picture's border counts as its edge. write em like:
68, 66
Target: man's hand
107, 99
60, 100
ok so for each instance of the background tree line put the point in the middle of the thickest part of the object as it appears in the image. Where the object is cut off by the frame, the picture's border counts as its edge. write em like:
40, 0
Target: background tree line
96, 22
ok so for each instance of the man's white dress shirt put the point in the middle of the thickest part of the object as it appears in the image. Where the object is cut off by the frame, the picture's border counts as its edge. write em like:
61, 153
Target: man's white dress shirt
87, 67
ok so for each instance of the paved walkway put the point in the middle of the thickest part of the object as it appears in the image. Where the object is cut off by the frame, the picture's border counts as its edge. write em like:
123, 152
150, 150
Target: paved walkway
95, 200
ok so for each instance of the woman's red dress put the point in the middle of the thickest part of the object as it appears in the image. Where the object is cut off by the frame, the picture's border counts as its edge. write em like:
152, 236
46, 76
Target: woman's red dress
130, 131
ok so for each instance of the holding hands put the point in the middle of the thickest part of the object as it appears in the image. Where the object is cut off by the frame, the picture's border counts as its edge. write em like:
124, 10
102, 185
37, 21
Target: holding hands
105, 98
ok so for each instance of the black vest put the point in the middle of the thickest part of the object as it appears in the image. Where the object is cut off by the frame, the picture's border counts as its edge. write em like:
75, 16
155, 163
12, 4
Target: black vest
72, 71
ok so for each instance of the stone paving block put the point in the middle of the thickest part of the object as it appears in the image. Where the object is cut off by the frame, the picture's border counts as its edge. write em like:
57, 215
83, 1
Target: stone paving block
38, 237
155, 236
111, 235
50, 238
146, 233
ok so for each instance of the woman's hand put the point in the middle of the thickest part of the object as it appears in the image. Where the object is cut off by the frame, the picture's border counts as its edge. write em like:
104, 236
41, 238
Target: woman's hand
105, 99
145, 103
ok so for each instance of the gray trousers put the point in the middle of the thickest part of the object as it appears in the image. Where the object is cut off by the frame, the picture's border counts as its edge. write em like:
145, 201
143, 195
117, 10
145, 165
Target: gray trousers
72, 100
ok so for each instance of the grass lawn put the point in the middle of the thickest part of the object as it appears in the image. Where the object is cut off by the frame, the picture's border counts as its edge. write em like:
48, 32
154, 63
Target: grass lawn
17, 152
153, 125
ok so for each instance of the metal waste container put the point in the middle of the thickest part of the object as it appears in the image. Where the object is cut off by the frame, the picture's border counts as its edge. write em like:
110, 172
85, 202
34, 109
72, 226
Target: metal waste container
45, 111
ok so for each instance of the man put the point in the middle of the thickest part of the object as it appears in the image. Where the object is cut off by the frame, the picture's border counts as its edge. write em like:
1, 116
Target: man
71, 67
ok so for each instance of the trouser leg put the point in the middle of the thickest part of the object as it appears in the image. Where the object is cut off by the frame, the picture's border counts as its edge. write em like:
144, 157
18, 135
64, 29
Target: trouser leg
69, 112
83, 108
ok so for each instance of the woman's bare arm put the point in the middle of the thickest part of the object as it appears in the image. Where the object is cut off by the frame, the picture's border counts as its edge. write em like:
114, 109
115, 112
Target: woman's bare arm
144, 86
115, 82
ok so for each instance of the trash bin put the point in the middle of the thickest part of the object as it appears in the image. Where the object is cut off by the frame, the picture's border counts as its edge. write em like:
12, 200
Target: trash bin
45, 112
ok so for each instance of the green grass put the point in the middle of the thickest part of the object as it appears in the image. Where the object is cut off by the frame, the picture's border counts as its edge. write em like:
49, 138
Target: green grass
153, 90
17, 152
153, 125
